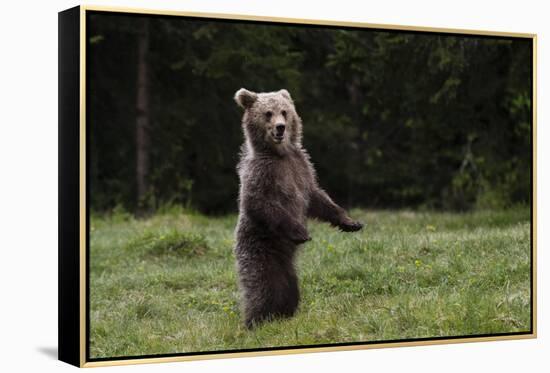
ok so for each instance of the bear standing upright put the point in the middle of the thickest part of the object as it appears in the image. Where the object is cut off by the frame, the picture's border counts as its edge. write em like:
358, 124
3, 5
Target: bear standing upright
278, 192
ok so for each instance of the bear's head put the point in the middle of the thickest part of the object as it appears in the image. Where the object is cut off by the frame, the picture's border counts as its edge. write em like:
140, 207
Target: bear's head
270, 121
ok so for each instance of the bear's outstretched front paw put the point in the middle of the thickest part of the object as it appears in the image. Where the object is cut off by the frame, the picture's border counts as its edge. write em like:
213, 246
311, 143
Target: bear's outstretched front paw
350, 226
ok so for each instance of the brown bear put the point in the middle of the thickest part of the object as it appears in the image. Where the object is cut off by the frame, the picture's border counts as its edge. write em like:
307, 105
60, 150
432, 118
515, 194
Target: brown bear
278, 192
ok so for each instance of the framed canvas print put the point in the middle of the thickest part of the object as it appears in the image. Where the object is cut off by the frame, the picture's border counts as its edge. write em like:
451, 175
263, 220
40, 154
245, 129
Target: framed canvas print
240, 185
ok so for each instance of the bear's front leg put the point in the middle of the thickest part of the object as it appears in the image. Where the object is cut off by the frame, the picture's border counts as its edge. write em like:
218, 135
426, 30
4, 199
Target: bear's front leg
323, 208
298, 234
277, 219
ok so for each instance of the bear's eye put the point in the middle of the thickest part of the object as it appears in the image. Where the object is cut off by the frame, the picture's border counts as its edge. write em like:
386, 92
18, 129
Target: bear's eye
268, 114
284, 113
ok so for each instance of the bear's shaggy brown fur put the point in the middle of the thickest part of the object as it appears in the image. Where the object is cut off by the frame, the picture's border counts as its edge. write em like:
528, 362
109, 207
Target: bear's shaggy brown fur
278, 192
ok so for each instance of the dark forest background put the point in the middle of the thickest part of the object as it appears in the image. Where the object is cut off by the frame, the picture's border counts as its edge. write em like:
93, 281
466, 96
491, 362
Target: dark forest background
391, 119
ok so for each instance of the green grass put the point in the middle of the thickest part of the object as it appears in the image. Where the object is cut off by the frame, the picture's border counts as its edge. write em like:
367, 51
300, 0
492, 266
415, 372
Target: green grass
167, 284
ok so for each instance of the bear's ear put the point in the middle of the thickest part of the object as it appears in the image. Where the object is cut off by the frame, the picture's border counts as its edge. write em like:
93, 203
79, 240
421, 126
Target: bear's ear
285, 94
245, 98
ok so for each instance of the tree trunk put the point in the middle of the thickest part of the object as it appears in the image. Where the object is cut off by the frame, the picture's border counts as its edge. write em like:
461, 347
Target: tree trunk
355, 99
142, 120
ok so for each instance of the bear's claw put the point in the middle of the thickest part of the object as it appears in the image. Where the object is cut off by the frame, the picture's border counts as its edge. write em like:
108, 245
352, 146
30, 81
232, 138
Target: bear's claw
301, 240
354, 226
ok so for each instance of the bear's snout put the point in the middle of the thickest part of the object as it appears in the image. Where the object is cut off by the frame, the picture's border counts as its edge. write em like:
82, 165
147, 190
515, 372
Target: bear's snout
280, 129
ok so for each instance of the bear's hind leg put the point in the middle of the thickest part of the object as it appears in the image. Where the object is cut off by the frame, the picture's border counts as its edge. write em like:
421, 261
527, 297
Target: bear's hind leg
271, 295
290, 294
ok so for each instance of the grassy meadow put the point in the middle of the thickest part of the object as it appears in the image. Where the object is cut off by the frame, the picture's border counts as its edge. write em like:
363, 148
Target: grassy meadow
167, 284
